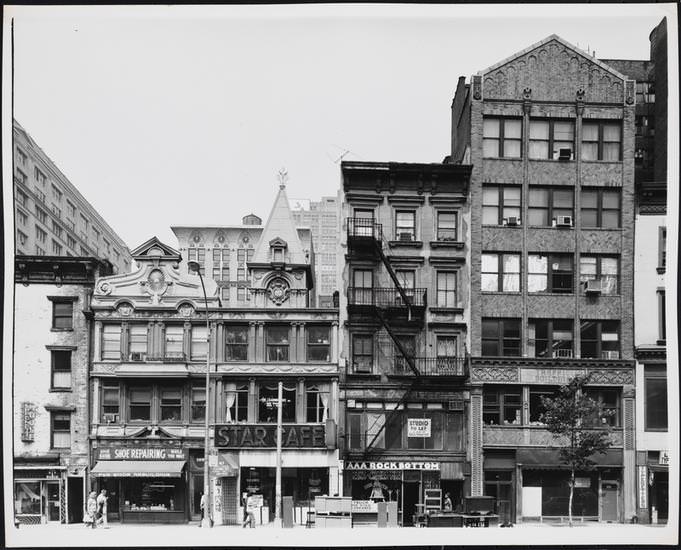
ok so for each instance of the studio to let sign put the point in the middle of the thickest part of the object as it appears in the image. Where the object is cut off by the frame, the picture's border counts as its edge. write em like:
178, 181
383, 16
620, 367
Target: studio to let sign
418, 427
293, 436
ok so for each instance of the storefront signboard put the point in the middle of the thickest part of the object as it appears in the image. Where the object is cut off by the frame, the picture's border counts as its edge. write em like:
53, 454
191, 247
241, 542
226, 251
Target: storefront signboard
294, 436
664, 458
418, 427
141, 453
582, 482
364, 507
548, 376
643, 487
362, 465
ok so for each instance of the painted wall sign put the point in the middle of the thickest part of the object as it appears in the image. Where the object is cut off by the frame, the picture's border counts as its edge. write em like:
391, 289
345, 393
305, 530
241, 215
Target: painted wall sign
141, 453
392, 465
28, 413
643, 487
664, 458
294, 436
418, 427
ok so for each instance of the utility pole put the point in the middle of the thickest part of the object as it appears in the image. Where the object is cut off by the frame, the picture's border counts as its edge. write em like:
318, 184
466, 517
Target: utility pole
277, 483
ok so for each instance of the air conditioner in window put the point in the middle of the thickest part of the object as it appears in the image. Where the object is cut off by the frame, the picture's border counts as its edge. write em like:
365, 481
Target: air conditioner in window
562, 353
564, 154
512, 221
610, 355
111, 418
594, 286
137, 356
407, 236
564, 221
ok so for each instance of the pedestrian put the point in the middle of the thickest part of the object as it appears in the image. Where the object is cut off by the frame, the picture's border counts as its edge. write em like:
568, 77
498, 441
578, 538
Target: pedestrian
251, 504
202, 505
448, 507
91, 509
102, 505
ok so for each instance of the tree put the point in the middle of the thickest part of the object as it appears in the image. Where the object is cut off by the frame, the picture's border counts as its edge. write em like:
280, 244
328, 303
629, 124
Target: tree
578, 421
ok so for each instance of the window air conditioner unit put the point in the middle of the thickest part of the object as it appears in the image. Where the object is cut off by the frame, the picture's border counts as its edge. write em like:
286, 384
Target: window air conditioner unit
513, 221
110, 418
610, 355
594, 286
562, 354
137, 356
564, 154
564, 221
405, 236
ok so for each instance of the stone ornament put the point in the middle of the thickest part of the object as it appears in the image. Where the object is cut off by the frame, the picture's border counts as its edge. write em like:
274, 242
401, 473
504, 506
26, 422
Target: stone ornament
103, 287
278, 290
155, 285
124, 309
186, 310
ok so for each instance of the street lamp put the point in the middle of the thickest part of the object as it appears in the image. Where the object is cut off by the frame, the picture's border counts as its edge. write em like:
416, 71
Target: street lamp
205, 521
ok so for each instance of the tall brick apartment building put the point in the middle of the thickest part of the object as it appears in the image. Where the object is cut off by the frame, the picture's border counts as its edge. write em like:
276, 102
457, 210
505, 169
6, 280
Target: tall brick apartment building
550, 134
52, 324
404, 310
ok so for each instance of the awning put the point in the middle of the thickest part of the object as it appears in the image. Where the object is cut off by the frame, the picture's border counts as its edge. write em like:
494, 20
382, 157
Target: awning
138, 468
549, 459
451, 470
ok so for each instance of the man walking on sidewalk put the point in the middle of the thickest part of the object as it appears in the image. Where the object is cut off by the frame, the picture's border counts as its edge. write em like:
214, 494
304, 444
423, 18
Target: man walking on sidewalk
102, 502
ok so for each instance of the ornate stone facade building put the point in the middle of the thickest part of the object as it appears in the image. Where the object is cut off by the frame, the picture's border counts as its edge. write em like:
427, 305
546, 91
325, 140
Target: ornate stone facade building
148, 386
550, 134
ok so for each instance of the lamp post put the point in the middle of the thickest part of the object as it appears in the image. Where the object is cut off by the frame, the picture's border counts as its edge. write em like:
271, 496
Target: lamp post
205, 521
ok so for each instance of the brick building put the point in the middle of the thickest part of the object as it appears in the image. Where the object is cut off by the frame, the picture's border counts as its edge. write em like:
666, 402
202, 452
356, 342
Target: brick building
550, 134
52, 325
404, 309
51, 217
652, 442
149, 400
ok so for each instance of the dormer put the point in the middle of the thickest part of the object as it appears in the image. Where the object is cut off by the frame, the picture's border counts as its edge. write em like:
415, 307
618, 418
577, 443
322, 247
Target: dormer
278, 251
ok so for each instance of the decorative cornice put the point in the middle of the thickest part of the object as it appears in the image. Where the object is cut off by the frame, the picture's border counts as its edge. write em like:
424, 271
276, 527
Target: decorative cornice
552, 363
446, 261
274, 368
645, 354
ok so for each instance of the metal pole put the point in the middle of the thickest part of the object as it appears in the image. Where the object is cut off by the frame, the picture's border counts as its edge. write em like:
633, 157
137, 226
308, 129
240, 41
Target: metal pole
277, 483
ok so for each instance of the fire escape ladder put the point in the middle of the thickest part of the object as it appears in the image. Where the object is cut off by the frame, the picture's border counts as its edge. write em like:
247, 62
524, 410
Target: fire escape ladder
407, 357
405, 299
392, 415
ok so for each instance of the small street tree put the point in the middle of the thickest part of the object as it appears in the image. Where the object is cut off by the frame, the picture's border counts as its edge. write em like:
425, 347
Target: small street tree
580, 424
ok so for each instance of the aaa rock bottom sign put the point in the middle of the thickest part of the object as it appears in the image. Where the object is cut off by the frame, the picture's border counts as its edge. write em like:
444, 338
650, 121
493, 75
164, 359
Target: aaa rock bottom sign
294, 436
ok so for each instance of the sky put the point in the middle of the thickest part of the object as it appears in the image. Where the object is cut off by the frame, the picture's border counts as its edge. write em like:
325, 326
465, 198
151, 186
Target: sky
170, 115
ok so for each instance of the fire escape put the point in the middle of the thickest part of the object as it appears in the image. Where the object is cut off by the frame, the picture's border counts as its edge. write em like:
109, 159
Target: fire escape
390, 306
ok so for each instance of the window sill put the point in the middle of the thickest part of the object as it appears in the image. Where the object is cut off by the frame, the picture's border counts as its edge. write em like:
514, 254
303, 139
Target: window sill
447, 244
656, 430
61, 329
661, 270
446, 309
549, 293
501, 292
405, 244
365, 375
60, 390
555, 161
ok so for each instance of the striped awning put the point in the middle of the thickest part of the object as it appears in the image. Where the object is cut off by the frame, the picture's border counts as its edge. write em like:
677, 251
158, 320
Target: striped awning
138, 468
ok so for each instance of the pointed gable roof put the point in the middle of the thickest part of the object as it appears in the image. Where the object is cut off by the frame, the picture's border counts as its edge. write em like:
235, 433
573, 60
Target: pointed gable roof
155, 248
280, 226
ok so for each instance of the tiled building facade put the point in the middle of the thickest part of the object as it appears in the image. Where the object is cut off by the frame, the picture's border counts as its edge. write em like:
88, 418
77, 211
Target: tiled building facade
51, 217
52, 327
550, 134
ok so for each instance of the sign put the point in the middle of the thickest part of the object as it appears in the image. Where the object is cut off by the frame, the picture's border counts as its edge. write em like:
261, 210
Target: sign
664, 458
418, 427
254, 501
28, 414
363, 507
141, 453
643, 487
293, 436
549, 376
582, 483
350, 465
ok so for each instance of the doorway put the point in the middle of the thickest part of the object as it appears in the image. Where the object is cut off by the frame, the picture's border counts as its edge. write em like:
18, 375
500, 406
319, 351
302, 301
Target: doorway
195, 492
411, 497
75, 499
609, 499
53, 504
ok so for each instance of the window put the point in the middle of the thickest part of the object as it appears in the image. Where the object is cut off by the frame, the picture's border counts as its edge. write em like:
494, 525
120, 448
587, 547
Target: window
548, 137
550, 338
39, 176
39, 251
318, 344
224, 293
446, 347
241, 293
501, 406
601, 140
549, 273
236, 343
362, 352
22, 238
40, 234
198, 403
600, 339
501, 137
61, 369
601, 208
501, 337
40, 195
110, 403
446, 289
240, 275
608, 404
111, 342
171, 404
21, 217
62, 314
536, 406
500, 272
645, 92
21, 157
316, 403
70, 209
61, 430
22, 179
249, 254
277, 341
662, 315
408, 343
499, 203
599, 268
236, 402
655, 399
446, 226
662, 250
56, 248
138, 342
547, 204
174, 341
22, 198
268, 403
56, 229
56, 193
95, 234
139, 408
84, 222
405, 225
70, 242
199, 343
363, 281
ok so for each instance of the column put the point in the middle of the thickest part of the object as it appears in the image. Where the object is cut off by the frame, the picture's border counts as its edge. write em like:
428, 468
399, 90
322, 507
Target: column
187, 338
260, 342
629, 458
220, 342
526, 406
97, 344
252, 401
94, 413
334, 354
293, 343
251, 340
125, 338
334, 401
302, 351
301, 401
476, 441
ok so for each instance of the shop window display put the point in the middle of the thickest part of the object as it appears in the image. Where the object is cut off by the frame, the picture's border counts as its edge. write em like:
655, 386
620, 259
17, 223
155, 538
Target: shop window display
27, 498
553, 492
149, 494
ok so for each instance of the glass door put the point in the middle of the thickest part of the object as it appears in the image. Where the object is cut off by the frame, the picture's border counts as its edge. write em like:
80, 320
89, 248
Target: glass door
52, 501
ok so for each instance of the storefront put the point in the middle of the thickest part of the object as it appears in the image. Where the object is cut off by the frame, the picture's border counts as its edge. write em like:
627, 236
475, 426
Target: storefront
653, 486
40, 494
146, 484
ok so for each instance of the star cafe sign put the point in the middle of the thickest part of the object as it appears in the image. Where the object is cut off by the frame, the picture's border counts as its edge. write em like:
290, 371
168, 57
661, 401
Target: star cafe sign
293, 436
